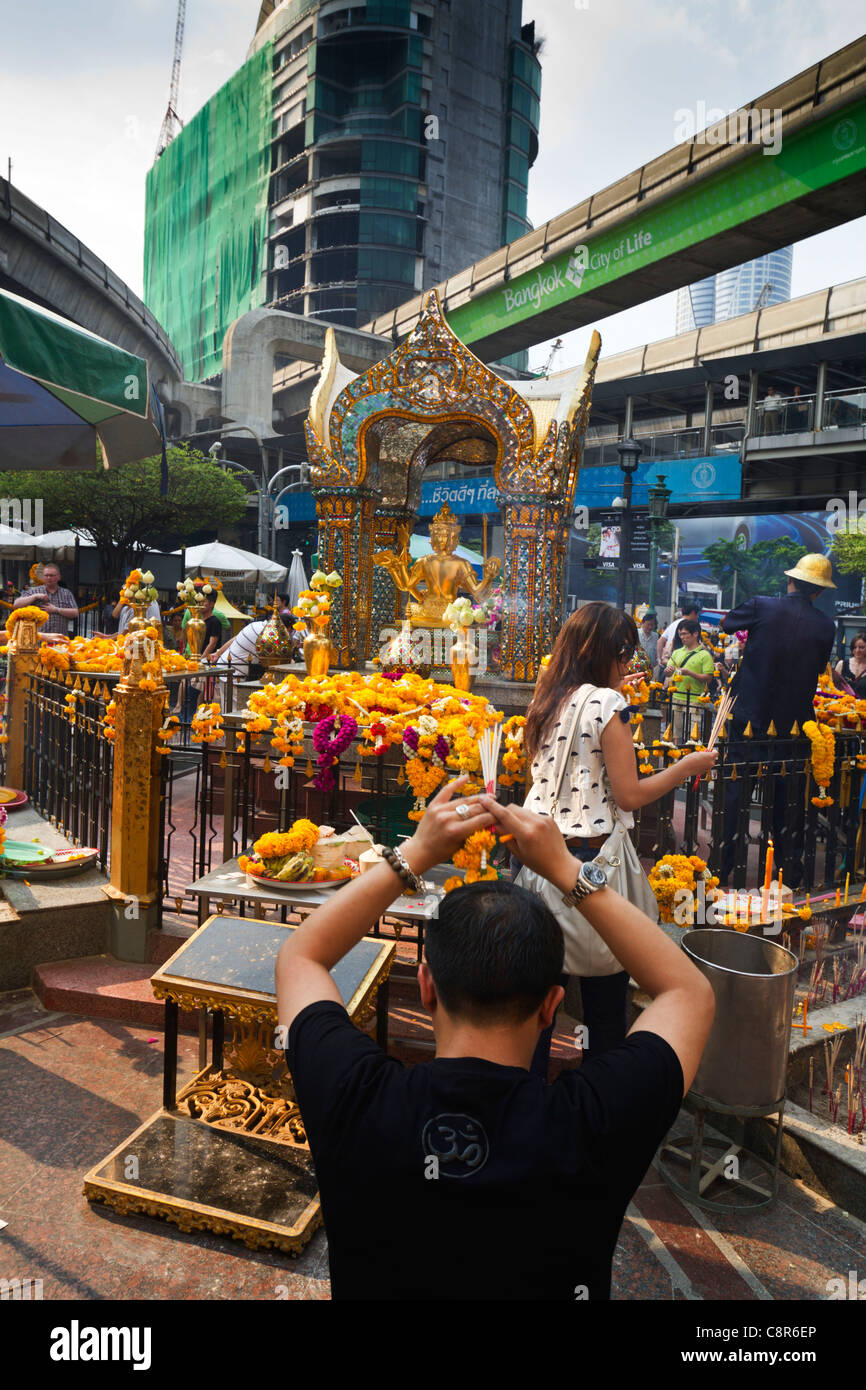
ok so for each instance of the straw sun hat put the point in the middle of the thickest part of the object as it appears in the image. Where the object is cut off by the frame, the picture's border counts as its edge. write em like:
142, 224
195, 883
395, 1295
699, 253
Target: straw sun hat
814, 569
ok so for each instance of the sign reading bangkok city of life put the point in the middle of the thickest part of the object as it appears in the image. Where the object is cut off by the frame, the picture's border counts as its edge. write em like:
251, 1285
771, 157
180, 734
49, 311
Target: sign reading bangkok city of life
809, 159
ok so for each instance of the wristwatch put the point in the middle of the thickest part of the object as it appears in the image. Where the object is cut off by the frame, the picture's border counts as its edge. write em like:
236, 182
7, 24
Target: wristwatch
589, 880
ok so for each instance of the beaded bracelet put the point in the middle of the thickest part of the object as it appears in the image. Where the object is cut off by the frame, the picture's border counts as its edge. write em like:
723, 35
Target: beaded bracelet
397, 861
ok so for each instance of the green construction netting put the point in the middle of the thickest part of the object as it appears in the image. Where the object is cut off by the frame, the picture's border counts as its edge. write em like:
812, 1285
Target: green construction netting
206, 218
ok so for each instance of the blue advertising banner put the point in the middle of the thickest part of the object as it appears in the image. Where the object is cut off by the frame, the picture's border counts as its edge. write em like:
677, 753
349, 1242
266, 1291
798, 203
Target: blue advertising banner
465, 496
716, 478
299, 507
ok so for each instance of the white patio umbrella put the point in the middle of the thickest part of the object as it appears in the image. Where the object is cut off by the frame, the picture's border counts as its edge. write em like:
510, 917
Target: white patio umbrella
229, 562
11, 539
297, 578
62, 540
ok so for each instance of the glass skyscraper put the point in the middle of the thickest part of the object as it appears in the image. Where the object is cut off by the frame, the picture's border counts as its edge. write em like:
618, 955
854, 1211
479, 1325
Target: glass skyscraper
766, 280
365, 151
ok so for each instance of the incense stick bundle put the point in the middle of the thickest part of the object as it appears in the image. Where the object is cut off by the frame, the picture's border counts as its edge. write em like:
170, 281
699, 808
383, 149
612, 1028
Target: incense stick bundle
726, 704
831, 1054
848, 1079
488, 748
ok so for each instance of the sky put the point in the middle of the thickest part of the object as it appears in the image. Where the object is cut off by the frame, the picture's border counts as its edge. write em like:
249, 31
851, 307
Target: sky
84, 88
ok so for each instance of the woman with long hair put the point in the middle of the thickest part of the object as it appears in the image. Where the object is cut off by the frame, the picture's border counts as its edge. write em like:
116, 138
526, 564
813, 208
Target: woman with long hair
853, 671
578, 703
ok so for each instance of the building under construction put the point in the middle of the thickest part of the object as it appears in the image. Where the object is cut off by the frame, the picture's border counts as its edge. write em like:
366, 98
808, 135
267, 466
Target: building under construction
363, 152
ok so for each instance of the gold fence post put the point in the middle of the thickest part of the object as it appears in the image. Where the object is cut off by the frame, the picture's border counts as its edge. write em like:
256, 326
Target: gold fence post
22, 657
135, 811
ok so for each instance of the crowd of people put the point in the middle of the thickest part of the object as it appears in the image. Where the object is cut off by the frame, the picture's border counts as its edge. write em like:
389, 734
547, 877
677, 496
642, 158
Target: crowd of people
220, 644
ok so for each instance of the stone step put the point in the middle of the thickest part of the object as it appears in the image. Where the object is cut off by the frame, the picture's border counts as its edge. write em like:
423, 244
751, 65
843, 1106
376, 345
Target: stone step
103, 987
163, 943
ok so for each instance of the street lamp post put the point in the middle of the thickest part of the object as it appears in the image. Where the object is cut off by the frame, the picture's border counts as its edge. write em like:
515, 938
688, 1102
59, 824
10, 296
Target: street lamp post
629, 456
659, 496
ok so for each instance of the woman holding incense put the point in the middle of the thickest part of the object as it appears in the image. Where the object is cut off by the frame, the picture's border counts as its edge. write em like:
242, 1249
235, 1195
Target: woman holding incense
584, 775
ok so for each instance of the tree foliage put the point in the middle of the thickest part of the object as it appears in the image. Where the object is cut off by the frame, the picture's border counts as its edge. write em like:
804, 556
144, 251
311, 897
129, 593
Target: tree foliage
849, 552
121, 509
759, 569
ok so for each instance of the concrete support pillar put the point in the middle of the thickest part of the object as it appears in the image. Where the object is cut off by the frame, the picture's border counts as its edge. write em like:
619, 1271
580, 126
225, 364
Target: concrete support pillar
708, 419
752, 404
820, 390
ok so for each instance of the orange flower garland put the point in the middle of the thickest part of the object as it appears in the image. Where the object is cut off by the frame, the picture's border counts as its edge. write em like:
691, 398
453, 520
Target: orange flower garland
207, 724
28, 614
823, 757
473, 857
514, 757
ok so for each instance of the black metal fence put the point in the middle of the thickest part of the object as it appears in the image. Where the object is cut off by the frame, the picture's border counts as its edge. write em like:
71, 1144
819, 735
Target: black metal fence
68, 765
761, 788
217, 800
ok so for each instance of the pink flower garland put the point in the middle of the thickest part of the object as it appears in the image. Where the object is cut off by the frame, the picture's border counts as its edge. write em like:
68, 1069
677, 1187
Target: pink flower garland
329, 749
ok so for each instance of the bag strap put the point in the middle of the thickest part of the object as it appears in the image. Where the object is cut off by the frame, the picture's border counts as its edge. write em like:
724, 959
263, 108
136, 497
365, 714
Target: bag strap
567, 747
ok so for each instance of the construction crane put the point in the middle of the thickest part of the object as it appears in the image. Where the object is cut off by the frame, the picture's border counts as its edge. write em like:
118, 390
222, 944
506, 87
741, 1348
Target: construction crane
763, 297
171, 121
557, 347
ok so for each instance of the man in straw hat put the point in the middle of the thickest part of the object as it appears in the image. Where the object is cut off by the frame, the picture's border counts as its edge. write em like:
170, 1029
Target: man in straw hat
789, 645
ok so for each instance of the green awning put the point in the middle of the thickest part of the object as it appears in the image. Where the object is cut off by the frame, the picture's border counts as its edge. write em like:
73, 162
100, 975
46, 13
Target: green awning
61, 387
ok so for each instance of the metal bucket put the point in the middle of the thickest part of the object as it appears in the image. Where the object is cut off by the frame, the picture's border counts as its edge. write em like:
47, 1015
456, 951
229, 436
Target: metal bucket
745, 1060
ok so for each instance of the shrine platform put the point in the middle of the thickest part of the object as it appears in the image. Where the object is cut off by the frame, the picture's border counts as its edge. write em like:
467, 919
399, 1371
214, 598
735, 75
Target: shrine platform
39, 922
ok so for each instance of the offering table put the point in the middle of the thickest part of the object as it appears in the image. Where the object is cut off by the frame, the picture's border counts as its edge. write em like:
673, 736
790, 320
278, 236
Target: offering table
228, 1153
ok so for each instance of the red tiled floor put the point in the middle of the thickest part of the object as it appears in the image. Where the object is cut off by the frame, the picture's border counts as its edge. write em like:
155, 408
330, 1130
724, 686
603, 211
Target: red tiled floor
75, 1087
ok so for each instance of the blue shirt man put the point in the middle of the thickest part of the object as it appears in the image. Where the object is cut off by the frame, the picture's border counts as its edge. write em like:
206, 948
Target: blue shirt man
788, 646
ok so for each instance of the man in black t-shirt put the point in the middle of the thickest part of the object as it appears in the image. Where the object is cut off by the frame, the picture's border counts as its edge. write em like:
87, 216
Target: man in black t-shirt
467, 1177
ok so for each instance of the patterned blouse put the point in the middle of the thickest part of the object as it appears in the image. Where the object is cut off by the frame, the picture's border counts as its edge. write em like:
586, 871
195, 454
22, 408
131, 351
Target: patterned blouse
585, 805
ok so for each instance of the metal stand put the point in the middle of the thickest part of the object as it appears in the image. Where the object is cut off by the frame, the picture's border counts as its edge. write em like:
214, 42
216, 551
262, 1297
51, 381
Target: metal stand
705, 1169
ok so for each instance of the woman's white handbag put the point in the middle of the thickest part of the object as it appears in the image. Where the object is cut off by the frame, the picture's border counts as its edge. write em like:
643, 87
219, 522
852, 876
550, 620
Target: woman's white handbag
585, 952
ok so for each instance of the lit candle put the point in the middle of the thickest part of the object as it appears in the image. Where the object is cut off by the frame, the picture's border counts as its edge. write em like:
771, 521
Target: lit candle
863, 892
847, 881
768, 866
838, 897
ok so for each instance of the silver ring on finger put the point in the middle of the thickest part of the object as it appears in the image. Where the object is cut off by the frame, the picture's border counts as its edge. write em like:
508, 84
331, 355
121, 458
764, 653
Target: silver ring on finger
463, 811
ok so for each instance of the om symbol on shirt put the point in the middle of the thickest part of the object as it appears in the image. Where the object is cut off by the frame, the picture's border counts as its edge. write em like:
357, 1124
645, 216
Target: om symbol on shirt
458, 1142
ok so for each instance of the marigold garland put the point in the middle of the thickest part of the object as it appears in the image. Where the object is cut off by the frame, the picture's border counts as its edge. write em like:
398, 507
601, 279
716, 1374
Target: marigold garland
514, 757
206, 725
100, 654
674, 873
445, 723
473, 856
30, 613
823, 758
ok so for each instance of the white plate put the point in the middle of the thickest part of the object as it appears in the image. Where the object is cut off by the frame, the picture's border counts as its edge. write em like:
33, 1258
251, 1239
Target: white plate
303, 887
